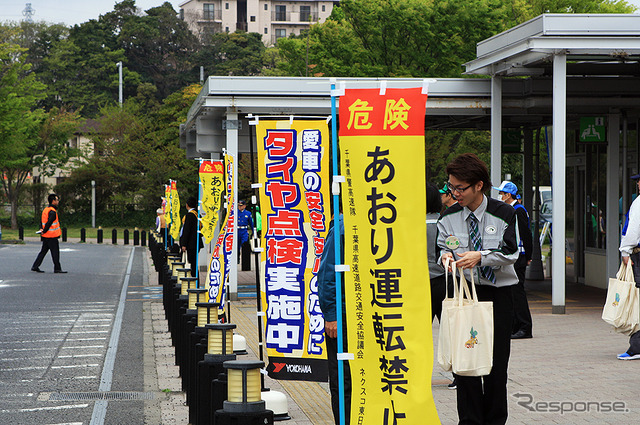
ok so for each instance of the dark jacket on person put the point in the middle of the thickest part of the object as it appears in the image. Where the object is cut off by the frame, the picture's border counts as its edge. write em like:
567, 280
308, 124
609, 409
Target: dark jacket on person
327, 276
524, 231
190, 235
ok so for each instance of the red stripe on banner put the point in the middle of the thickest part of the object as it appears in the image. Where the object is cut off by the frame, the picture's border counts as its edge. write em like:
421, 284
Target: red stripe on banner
399, 112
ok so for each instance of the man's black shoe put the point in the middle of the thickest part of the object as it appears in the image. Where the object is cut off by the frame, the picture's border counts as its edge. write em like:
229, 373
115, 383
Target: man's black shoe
60, 271
521, 335
35, 269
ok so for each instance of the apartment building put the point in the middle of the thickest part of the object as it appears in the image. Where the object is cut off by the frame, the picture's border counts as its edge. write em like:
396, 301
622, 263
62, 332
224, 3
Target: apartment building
271, 18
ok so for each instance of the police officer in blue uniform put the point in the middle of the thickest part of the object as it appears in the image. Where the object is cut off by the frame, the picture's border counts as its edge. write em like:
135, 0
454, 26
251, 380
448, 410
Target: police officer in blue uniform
245, 224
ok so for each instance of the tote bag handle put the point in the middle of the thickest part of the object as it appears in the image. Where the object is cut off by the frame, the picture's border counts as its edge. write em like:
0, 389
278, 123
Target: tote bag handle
446, 262
464, 289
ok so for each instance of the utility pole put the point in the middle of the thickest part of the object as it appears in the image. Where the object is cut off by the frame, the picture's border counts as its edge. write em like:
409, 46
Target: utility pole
93, 204
119, 65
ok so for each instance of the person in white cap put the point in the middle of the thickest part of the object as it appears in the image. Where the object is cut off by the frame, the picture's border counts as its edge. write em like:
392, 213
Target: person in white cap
630, 251
522, 322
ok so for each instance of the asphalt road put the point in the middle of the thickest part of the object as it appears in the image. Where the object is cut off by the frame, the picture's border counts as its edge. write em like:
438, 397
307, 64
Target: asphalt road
71, 348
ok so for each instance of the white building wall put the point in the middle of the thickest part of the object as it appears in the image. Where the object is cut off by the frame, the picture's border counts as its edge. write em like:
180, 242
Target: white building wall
264, 19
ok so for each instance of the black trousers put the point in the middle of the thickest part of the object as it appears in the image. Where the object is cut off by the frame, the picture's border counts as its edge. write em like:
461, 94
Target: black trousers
522, 314
332, 350
483, 400
634, 339
192, 256
49, 244
244, 255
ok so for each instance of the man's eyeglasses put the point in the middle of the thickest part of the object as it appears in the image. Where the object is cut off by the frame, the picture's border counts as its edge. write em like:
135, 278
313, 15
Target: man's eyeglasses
452, 188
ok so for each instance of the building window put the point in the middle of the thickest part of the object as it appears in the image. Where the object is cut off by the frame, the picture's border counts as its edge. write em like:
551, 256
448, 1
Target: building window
281, 13
266, 31
182, 14
253, 19
208, 11
73, 143
305, 13
324, 8
226, 5
266, 6
281, 33
226, 29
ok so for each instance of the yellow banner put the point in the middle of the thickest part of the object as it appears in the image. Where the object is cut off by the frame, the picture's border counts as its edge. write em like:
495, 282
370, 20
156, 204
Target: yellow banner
219, 265
212, 181
294, 198
387, 291
175, 212
166, 204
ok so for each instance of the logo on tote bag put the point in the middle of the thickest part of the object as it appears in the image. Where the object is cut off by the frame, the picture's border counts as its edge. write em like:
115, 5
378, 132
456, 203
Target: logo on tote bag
617, 301
473, 340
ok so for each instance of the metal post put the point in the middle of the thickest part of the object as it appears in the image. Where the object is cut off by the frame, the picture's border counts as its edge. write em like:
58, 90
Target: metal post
232, 149
613, 177
338, 253
119, 65
198, 226
93, 204
496, 131
534, 271
558, 187
625, 169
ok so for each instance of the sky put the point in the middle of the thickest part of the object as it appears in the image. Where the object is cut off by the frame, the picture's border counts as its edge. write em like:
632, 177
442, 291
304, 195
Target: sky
71, 12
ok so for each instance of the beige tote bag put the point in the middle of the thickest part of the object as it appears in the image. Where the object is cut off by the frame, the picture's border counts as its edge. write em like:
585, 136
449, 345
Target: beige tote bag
471, 327
444, 336
621, 298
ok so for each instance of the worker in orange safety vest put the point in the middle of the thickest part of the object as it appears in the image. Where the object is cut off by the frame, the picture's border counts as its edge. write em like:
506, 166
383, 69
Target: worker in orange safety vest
49, 233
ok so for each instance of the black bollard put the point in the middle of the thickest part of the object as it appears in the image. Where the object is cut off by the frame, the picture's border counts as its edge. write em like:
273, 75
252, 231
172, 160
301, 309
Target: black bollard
100, 235
114, 236
136, 237
143, 238
64, 234
241, 407
21, 233
126, 236
83, 235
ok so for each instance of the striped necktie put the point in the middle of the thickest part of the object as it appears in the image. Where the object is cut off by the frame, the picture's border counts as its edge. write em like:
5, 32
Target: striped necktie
474, 233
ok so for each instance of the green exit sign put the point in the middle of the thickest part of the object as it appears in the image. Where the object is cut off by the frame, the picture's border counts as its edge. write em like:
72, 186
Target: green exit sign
592, 129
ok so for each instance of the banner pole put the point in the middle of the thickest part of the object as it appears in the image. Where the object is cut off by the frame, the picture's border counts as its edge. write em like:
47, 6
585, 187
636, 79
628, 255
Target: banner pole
198, 226
171, 211
338, 253
166, 234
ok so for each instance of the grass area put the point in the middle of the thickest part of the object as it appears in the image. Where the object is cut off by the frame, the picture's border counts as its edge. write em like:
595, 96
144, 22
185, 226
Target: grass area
72, 232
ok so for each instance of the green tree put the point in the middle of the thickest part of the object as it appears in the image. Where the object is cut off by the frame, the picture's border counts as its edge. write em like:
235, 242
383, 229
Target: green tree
538, 7
396, 38
19, 121
159, 47
81, 72
237, 53
137, 152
